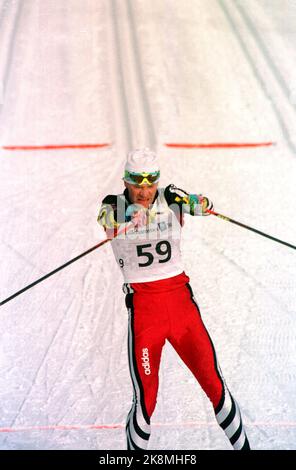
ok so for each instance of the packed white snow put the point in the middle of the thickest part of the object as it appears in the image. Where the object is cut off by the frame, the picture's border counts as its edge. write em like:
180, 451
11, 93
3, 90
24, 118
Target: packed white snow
212, 71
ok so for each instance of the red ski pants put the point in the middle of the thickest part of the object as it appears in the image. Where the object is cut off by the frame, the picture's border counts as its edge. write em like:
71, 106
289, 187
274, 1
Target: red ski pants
159, 311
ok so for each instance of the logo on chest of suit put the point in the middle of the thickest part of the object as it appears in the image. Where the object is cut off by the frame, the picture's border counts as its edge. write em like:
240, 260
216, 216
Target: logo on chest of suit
146, 361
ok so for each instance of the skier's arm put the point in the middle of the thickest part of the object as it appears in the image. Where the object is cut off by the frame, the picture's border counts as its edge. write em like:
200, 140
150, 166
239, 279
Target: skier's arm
193, 204
110, 216
115, 215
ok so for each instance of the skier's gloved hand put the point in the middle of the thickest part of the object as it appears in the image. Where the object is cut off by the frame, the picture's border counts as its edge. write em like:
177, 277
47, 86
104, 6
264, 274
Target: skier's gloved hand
199, 204
138, 215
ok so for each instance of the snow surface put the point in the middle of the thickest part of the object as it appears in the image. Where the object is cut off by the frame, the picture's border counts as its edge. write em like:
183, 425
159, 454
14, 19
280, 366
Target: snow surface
142, 72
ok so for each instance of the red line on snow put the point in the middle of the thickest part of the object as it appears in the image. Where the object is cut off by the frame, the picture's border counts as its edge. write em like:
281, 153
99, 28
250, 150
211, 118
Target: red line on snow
61, 427
212, 145
219, 145
77, 427
55, 147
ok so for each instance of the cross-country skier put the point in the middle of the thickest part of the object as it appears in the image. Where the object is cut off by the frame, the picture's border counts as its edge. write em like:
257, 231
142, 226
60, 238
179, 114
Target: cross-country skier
159, 298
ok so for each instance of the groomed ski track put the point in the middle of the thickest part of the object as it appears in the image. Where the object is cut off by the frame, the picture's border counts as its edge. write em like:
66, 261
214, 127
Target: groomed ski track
134, 73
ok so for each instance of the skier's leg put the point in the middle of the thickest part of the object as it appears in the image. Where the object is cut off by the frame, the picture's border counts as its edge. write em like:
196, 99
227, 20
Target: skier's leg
195, 347
229, 419
145, 342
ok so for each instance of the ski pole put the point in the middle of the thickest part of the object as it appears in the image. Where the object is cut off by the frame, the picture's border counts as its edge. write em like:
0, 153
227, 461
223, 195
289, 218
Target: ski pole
63, 266
228, 219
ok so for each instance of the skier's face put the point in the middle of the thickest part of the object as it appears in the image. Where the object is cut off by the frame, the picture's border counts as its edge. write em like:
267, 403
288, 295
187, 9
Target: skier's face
143, 194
